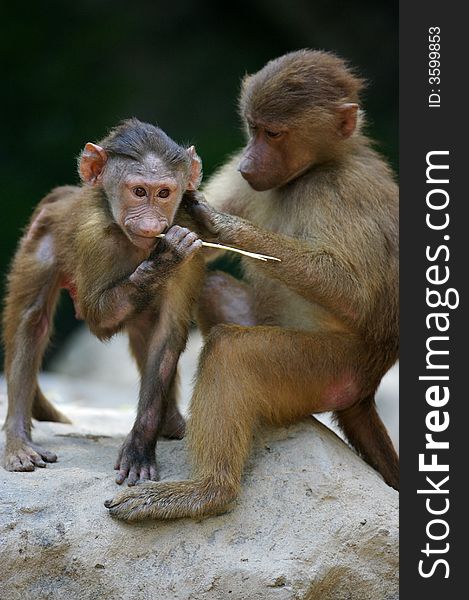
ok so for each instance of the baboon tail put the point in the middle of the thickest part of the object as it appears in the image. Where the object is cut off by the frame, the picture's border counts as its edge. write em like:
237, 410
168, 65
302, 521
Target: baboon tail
366, 432
43, 410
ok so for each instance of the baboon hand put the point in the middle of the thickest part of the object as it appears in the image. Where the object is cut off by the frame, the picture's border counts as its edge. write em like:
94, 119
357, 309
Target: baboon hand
177, 247
204, 216
136, 461
181, 243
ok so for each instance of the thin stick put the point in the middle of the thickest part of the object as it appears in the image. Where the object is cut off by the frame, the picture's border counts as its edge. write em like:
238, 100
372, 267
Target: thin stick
263, 257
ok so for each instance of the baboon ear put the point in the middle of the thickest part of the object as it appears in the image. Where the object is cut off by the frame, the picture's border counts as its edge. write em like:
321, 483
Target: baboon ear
91, 163
348, 114
195, 176
245, 81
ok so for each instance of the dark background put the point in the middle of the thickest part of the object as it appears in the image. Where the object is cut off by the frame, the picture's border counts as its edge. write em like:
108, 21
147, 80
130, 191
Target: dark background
72, 70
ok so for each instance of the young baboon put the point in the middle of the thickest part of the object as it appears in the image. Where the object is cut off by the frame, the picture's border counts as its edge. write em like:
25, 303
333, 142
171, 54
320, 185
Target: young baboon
317, 331
99, 242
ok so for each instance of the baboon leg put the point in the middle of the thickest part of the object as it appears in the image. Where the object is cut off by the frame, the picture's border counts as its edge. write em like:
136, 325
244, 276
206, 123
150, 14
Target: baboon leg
26, 334
244, 380
174, 425
224, 299
43, 410
366, 432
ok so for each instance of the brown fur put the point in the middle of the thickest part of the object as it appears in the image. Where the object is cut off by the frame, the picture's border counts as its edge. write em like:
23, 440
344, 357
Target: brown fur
287, 87
119, 277
326, 316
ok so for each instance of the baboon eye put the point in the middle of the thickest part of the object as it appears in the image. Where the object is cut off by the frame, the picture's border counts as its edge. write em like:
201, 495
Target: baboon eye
140, 192
273, 134
164, 193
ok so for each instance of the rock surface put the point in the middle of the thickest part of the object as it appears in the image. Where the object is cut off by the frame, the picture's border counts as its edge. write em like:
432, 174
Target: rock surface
312, 522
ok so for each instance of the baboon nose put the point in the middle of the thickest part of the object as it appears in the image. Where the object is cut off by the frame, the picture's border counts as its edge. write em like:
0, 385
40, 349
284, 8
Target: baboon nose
245, 171
151, 229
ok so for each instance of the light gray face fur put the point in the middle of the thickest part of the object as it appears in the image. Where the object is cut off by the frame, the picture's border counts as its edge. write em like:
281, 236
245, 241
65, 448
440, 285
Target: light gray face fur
149, 173
144, 195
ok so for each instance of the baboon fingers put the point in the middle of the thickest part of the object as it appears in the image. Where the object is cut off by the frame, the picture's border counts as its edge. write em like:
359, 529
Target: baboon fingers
136, 474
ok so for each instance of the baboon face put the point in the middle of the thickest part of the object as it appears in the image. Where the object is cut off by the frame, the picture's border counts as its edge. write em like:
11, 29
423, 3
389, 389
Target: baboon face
274, 155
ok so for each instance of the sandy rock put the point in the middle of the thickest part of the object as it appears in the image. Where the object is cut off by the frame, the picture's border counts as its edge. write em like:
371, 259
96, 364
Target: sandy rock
312, 522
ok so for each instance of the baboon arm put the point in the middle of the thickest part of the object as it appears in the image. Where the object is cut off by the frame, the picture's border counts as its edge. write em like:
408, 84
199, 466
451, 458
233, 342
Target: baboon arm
103, 305
313, 270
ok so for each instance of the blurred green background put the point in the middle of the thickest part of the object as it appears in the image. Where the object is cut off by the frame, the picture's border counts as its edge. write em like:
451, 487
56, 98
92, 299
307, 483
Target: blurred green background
72, 70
